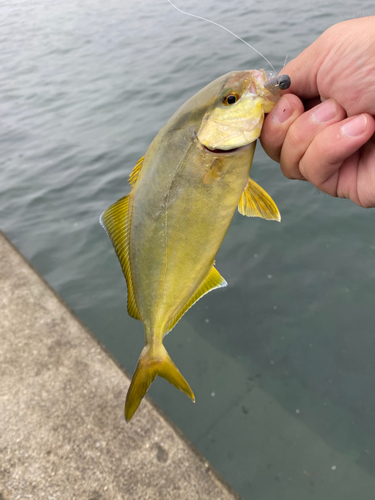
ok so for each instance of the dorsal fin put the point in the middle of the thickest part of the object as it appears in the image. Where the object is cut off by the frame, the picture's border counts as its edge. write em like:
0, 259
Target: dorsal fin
135, 172
213, 280
255, 202
116, 221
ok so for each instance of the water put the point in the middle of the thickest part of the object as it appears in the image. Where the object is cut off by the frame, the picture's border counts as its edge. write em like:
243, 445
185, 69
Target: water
281, 361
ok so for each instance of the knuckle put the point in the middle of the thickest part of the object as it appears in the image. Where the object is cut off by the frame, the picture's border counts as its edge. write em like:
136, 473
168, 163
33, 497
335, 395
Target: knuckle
294, 138
272, 149
291, 171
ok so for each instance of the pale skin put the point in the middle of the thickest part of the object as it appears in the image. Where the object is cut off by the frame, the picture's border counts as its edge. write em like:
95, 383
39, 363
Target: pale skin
322, 129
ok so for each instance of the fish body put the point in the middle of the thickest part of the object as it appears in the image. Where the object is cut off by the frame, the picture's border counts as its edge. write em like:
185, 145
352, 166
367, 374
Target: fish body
185, 191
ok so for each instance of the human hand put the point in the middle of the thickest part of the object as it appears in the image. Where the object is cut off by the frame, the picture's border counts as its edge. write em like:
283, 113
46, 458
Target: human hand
330, 144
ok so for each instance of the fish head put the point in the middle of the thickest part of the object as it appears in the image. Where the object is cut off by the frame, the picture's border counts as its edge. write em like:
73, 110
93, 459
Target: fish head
234, 118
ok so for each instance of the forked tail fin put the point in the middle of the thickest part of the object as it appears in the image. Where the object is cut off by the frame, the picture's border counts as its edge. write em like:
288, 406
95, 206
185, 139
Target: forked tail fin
153, 361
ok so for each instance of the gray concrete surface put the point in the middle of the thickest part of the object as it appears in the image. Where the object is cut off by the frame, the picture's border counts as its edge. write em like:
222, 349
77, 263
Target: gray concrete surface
62, 431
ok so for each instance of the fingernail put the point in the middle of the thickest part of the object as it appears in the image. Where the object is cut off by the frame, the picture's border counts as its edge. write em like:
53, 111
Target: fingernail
283, 111
354, 127
325, 111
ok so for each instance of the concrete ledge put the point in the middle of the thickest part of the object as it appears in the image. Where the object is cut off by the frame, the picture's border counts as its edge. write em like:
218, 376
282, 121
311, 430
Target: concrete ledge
62, 431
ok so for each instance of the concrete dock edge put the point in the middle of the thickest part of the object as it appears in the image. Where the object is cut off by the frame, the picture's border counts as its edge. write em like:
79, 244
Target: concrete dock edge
62, 430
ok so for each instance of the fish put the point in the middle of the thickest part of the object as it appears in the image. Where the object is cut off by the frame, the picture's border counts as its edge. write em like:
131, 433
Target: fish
184, 193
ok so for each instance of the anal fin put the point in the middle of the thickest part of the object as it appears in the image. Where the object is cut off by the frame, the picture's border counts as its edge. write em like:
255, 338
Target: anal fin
213, 280
255, 202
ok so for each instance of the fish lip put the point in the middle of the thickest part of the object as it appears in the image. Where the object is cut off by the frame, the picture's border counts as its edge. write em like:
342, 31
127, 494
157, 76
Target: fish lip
225, 152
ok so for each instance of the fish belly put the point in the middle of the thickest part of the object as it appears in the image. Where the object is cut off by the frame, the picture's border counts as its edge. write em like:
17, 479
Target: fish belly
177, 229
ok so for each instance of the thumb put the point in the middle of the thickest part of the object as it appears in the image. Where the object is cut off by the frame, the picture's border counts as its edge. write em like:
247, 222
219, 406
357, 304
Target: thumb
303, 71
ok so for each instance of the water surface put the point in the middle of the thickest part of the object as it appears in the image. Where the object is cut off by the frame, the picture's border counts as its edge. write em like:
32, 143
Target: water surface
281, 361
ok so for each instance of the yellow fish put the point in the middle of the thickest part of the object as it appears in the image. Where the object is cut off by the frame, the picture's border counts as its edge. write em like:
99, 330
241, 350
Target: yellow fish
185, 190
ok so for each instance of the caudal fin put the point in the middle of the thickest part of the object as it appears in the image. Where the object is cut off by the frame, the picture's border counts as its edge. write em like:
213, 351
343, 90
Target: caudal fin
153, 362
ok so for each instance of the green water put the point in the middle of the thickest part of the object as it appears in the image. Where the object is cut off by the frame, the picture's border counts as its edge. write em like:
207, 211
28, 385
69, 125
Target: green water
281, 361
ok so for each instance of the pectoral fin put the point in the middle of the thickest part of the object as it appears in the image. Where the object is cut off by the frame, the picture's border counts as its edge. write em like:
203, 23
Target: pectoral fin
255, 202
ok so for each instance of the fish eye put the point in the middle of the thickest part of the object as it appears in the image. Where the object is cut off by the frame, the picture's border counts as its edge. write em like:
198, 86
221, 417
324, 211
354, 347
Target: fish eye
230, 98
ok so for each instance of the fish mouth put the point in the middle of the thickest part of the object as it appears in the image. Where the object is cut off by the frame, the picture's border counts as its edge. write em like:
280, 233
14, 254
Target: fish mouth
225, 151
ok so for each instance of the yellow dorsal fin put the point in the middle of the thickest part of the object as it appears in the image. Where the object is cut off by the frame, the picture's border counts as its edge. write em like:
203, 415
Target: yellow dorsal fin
116, 221
255, 202
135, 172
213, 280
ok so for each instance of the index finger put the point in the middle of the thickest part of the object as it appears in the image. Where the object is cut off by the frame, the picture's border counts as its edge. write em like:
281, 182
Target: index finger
277, 123
303, 73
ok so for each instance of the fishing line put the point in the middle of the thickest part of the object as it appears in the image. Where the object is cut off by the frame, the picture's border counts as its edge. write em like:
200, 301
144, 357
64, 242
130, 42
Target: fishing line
226, 29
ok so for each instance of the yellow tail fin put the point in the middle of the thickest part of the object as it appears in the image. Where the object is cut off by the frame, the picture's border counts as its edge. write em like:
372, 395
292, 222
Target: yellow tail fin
153, 361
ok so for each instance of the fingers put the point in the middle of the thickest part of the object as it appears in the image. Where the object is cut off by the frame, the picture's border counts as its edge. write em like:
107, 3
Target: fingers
336, 154
302, 133
288, 141
277, 124
332, 161
322, 146
288, 131
315, 140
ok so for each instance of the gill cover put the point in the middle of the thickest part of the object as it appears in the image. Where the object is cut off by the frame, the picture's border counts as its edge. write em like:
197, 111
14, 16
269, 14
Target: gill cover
230, 126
